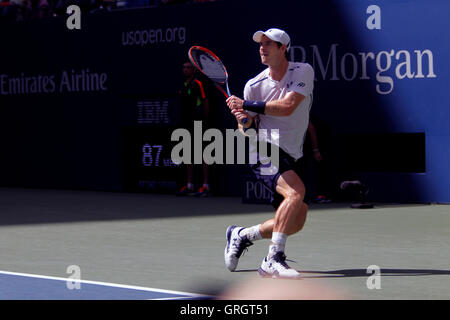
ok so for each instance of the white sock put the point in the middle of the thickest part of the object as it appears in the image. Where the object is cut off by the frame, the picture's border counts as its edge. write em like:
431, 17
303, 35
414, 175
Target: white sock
252, 233
278, 243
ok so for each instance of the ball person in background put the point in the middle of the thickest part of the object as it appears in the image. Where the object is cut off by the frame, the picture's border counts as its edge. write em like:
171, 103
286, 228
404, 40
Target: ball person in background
194, 107
279, 98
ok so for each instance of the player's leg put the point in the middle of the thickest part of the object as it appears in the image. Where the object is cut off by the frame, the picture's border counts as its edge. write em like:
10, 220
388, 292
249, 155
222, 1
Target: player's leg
190, 176
266, 228
239, 238
203, 191
288, 192
291, 214
188, 188
289, 219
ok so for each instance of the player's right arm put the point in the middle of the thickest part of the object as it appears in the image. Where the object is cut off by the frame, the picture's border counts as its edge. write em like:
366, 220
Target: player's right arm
241, 115
235, 105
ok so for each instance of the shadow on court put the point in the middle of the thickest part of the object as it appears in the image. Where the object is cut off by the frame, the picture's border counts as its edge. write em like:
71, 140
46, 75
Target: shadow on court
348, 273
33, 206
355, 273
30, 206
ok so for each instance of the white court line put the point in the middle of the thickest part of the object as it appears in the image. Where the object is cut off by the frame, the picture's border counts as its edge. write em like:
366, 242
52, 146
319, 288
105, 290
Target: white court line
108, 284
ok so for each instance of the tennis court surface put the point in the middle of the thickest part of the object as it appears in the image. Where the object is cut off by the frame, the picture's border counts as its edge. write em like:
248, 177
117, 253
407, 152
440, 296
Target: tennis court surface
151, 246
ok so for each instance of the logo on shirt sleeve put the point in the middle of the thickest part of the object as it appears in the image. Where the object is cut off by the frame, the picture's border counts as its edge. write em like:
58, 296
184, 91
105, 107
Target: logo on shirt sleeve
299, 84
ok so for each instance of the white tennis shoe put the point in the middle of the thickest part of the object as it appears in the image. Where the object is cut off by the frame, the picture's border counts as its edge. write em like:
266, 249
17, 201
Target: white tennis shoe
276, 267
235, 246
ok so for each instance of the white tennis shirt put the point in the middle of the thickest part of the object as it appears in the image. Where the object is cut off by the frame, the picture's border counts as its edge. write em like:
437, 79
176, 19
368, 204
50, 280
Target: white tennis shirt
299, 78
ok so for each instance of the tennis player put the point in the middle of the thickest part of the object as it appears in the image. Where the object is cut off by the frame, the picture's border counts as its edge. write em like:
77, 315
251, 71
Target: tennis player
279, 98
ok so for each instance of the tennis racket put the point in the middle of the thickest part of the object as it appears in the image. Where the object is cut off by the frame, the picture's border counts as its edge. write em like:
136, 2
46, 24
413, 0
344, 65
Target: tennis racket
211, 66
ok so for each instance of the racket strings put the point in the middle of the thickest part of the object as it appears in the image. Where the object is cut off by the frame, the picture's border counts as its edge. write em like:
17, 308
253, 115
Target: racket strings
209, 65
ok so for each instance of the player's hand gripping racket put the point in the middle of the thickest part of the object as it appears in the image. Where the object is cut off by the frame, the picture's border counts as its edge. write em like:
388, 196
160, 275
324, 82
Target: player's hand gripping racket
211, 66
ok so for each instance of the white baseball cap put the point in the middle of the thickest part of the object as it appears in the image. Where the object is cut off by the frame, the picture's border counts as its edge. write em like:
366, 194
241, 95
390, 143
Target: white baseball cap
275, 35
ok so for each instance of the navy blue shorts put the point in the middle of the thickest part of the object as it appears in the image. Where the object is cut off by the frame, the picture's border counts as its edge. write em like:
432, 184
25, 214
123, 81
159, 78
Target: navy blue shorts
286, 163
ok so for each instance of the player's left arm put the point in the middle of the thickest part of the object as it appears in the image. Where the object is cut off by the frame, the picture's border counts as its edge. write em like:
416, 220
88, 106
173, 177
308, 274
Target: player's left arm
281, 107
285, 106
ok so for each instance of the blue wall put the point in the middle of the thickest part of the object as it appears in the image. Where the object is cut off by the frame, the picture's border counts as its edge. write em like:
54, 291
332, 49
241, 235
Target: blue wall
74, 139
